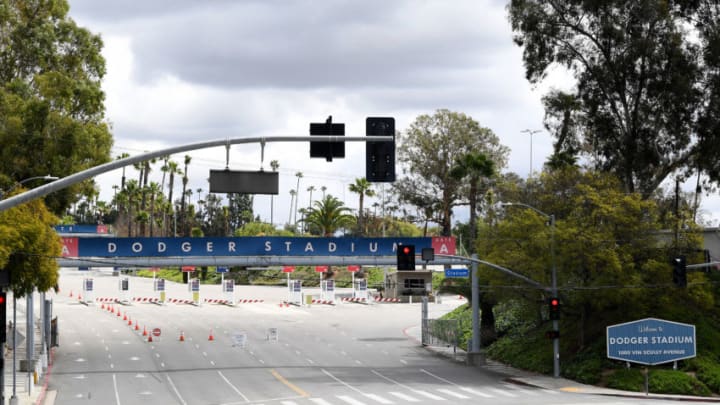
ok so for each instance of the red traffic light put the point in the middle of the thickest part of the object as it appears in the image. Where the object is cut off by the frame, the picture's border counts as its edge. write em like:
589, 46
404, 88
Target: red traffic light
2, 299
406, 250
554, 302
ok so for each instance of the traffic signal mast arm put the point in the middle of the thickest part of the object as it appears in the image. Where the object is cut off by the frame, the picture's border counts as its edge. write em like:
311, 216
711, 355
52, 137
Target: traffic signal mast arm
120, 163
500, 268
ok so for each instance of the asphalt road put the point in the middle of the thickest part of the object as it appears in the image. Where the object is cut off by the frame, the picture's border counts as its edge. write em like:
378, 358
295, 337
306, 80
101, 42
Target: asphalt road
349, 354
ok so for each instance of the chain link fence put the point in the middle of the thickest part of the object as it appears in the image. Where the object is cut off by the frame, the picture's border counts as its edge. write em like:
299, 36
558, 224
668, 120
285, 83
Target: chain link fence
441, 332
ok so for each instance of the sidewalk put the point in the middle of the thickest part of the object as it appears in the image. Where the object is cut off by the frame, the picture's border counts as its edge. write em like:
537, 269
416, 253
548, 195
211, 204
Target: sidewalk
527, 378
36, 391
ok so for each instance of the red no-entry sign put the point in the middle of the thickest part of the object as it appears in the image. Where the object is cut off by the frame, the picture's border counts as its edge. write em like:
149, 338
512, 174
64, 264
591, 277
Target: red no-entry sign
156, 332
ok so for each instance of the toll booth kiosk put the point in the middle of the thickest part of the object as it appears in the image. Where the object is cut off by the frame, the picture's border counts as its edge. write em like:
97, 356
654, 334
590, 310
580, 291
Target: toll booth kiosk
88, 293
295, 292
124, 288
194, 288
360, 289
228, 288
327, 291
159, 287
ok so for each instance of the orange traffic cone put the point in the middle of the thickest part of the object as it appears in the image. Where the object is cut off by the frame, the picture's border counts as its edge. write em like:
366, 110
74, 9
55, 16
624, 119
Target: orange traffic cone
150, 338
70, 293
125, 317
144, 331
102, 306
118, 312
182, 336
137, 327
211, 337
129, 321
79, 297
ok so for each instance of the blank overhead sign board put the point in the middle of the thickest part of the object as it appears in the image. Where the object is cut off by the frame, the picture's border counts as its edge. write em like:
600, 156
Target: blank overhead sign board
243, 182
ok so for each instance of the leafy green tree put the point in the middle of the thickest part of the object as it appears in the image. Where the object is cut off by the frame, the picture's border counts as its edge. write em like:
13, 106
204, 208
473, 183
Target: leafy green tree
608, 252
29, 247
328, 215
51, 102
430, 149
472, 167
647, 97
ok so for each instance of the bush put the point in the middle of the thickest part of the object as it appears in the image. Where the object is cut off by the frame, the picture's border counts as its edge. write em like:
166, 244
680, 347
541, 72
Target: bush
660, 382
676, 382
522, 352
627, 379
707, 371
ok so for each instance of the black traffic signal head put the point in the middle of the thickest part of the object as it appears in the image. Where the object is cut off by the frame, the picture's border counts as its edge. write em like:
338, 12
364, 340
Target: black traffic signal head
554, 308
380, 156
406, 257
326, 149
679, 271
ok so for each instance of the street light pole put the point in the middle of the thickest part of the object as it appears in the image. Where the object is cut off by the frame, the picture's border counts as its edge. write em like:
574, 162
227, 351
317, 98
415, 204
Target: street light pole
21, 182
553, 286
531, 132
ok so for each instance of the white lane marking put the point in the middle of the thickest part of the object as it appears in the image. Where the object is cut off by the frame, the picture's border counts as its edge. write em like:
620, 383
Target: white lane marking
452, 393
404, 396
233, 387
358, 362
503, 392
80, 377
212, 362
343, 353
429, 395
310, 361
379, 399
549, 391
288, 403
109, 356
172, 385
327, 373
162, 364
117, 393
297, 352
134, 358
476, 392
349, 400
419, 392
319, 401
205, 354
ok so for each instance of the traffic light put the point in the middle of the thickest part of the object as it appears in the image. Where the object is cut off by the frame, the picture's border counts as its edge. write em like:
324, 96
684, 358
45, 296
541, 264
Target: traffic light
3, 317
679, 271
554, 308
406, 257
552, 334
327, 149
380, 156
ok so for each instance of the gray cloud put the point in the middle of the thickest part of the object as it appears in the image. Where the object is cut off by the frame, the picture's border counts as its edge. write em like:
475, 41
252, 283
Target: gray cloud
306, 44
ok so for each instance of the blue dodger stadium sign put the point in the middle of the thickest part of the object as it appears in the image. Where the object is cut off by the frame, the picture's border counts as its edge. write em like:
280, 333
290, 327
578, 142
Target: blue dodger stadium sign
651, 341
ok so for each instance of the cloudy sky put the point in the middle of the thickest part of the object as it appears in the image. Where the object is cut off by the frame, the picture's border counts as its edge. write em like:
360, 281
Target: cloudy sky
184, 71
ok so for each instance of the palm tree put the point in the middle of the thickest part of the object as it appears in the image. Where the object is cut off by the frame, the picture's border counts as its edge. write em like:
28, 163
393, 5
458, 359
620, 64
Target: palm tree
122, 180
472, 166
154, 190
274, 166
323, 188
363, 188
299, 175
328, 215
292, 199
184, 193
